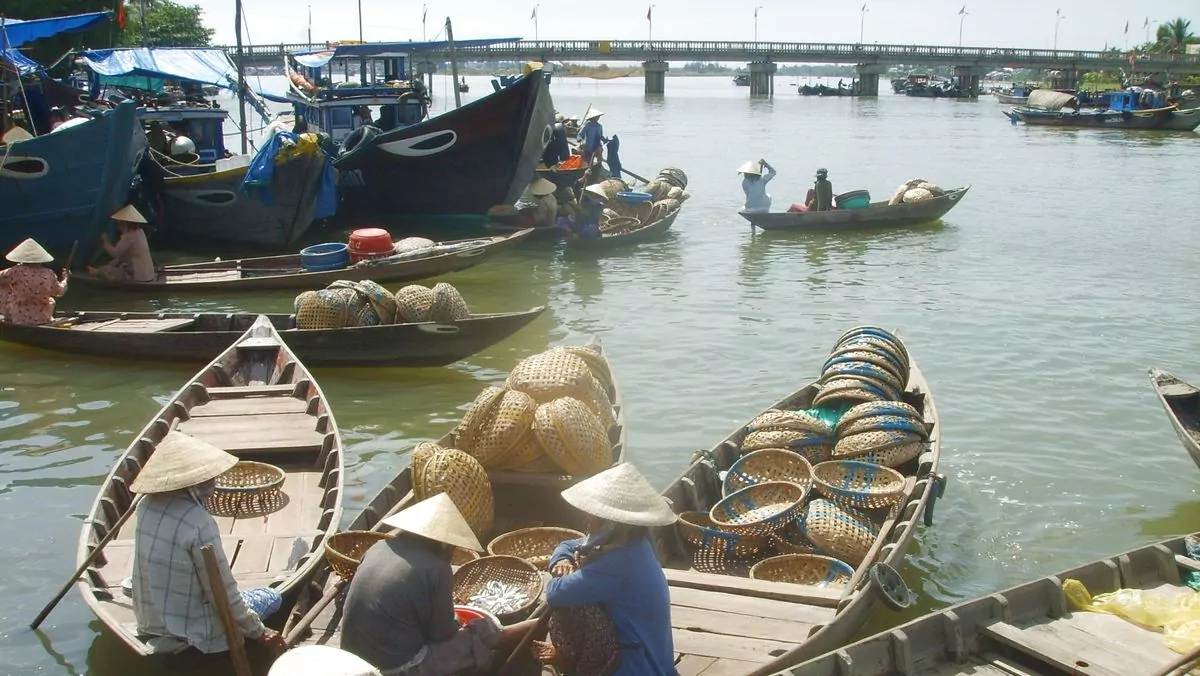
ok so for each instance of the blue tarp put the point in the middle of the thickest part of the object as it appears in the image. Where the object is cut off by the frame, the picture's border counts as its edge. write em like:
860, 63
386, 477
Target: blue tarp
18, 32
261, 174
318, 57
24, 64
206, 66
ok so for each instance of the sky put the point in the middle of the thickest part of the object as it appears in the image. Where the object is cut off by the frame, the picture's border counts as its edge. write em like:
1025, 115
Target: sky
1085, 24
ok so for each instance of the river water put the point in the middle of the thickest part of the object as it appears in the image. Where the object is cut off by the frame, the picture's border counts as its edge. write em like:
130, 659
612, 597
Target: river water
1034, 310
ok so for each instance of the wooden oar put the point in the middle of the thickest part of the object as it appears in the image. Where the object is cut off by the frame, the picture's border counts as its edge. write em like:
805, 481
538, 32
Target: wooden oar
71, 256
112, 533
290, 637
1186, 661
542, 613
233, 636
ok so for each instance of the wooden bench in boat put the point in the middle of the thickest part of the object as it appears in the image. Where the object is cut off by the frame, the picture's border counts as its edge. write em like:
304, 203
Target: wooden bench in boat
237, 392
275, 433
137, 325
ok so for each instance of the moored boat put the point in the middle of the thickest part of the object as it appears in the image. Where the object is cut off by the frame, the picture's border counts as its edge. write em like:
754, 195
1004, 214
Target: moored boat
258, 402
1132, 109
876, 215
188, 337
646, 233
1037, 628
287, 272
1182, 402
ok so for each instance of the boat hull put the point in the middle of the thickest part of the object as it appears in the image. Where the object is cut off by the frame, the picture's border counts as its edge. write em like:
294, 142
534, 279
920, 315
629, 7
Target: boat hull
1182, 403
1009, 100
395, 345
1163, 120
61, 188
651, 232
461, 162
878, 215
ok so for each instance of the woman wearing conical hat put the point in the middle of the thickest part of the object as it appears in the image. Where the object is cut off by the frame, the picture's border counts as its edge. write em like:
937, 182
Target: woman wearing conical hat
610, 605
170, 591
28, 289
131, 260
754, 184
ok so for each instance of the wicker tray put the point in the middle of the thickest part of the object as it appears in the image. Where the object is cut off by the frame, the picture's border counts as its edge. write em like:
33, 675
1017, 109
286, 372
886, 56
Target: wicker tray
861, 485
535, 545
709, 541
759, 509
791, 540
473, 576
810, 569
345, 550
769, 464
839, 531
248, 488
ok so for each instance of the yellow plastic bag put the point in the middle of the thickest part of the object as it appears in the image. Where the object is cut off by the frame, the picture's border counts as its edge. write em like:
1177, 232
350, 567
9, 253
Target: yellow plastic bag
1175, 612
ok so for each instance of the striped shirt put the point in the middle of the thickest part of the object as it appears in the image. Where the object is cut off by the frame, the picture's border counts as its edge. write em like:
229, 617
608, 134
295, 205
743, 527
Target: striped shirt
170, 587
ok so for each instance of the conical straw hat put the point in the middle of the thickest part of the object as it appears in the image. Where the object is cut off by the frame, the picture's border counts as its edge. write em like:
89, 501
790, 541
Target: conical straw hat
593, 113
16, 134
623, 495
321, 660
129, 214
597, 191
181, 461
542, 187
751, 167
29, 251
437, 519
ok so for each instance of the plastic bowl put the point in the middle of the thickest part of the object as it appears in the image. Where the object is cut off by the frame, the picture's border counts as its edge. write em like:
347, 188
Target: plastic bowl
329, 256
635, 196
465, 614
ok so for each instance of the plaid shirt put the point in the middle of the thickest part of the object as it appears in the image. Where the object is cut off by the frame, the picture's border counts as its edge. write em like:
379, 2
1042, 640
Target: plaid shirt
170, 587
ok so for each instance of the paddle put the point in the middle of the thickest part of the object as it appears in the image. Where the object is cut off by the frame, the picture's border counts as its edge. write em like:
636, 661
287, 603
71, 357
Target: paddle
237, 644
543, 616
71, 257
112, 533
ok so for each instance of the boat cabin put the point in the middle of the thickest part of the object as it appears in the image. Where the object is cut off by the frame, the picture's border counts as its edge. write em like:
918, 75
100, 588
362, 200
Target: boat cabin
1137, 98
203, 125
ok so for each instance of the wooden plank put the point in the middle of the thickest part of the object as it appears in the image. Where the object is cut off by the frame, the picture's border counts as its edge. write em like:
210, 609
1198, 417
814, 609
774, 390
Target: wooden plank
254, 555
780, 591
1067, 648
146, 325
183, 277
287, 549
312, 495
693, 665
264, 434
249, 406
250, 391
740, 648
732, 604
718, 622
231, 424
728, 667
95, 326
1112, 630
259, 343
978, 669
119, 556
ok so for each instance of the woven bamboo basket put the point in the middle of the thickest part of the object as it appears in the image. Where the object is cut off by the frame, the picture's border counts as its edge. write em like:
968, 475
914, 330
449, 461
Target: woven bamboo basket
710, 542
506, 423
850, 391
869, 354
535, 545
247, 488
668, 205
843, 533
464, 432
413, 303
543, 464
896, 351
674, 176
814, 447
380, 299
448, 304
473, 576
675, 193
573, 436
854, 380
886, 423
809, 569
857, 484
619, 224
760, 509
896, 408
421, 454
460, 476
324, 309
790, 540
775, 419
527, 451
865, 370
596, 363
409, 244
345, 550
893, 456
549, 375
874, 332
875, 440
658, 189
601, 405
768, 464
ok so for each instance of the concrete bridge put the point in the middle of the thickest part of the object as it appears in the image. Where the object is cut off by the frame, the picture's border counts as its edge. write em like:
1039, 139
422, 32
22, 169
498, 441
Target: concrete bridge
870, 60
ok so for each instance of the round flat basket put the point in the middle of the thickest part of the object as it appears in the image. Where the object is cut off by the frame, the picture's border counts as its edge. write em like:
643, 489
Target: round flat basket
875, 440
460, 556
709, 541
861, 485
345, 550
535, 545
884, 423
874, 408
790, 540
851, 391
894, 456
896, 351
573, 436
464, 433
768, 464
864, 369
759, 509
496, 434
843, 533
815, 447
546, 376
870, 354
810, 569
774, 420
460, 476
861, 333
506, 586
247, 488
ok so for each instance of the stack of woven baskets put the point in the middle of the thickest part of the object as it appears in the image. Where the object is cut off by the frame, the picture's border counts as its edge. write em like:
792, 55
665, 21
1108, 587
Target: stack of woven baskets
916, 190
667, 193
805, 501
346, 304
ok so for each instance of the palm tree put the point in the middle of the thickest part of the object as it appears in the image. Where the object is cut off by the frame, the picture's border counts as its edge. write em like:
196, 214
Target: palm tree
1173, 35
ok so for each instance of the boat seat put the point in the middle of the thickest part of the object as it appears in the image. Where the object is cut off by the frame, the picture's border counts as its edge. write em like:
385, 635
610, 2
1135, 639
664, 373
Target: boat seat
251, 391
259, 343
1176, 390
138, 325
1087, 644
246, 434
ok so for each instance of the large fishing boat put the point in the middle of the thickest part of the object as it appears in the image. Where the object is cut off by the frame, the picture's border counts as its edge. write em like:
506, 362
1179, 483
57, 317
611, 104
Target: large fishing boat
1134, 108
393, 158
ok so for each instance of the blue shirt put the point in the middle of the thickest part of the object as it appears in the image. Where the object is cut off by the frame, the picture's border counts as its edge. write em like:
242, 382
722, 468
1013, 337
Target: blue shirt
591, 134
757, 199
629, 584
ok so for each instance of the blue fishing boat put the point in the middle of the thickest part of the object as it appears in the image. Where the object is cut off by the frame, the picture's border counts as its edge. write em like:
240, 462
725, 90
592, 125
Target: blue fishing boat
1133, 108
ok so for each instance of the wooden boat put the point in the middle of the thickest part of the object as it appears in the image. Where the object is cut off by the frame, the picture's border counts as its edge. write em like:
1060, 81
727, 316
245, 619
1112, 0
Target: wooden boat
258, 402
1027, 630
1182, 402
1163, 119
190, 337
649, 232
522, 500
285, 272
734, 625
1010, 100
877, 215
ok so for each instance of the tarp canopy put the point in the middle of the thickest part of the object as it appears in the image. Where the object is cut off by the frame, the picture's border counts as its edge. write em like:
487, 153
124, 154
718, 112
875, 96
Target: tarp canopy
132, 67
1048, 99
23, 64
18, 32
317, 57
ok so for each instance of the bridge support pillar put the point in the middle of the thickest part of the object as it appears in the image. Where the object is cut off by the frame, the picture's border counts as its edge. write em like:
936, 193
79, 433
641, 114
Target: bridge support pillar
656, 76
762, 78
967, 79
868, 78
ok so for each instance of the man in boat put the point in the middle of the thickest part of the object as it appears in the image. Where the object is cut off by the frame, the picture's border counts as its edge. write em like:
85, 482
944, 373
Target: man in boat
157, 136
586, 223
558, 149
754, 184
361, 117
399, 610
821, 198
172, 599
591, 137
537, 205
131, 260
28, 289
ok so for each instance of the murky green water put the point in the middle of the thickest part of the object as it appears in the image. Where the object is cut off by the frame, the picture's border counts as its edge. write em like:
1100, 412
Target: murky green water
1034, 310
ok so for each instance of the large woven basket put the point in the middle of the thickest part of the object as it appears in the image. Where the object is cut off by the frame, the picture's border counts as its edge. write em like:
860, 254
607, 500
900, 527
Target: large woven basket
413, 303
768, 464
381, 300
774, 420
525, 454
865, 442
421, 454
861, 485
448, 304
460, 556
863, 369
860, 334
573, 436
411, 244
844, 533
535, 545
324, 309
460, 476
601, 405
345, 550
870, 354
710, 542
473, 577
791, 540
809, 569
885, 423
759, 509
896, 351
549, 375
815, 447
854, 391
247, 488
595, 361
876, 408
464, 432
495, 435
893, 456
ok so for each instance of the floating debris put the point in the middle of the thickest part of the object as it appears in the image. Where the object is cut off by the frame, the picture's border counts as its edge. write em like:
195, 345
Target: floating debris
500, 598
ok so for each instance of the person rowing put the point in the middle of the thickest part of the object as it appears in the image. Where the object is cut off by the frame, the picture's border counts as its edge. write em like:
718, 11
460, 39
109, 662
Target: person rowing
131, 261
754, 185
28, 289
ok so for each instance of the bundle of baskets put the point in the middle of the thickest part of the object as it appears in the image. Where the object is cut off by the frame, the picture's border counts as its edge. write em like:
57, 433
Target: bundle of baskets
916, 190
667, 193
345, 304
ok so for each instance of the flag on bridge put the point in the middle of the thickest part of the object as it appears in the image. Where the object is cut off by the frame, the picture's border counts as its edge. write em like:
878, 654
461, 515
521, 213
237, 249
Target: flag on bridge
963, 10
648, 10
864, 7
1147, 24
1058, 12
121, 14
534, 15
1127, 28
424, 11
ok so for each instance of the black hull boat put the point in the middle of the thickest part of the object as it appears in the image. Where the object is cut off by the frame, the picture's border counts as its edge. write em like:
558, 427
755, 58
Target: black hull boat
461, 162
1182, 403
1162, 119
877, 215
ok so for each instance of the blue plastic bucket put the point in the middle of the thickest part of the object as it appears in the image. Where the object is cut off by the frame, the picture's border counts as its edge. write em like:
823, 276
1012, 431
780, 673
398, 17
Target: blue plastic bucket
322, 257
855, 199
635, 196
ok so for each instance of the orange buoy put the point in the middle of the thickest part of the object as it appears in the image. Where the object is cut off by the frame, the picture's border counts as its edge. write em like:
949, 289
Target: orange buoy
367, 243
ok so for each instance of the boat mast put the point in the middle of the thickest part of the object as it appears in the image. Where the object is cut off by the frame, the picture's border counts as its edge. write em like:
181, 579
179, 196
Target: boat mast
453, 64
362, 62
241, 72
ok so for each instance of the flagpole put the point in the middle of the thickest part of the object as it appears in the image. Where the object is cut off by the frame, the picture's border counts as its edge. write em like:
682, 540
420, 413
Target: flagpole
862, 25
650, 20
756, 22
310, 24
962, 16
424, 11
1057, 20
535, 22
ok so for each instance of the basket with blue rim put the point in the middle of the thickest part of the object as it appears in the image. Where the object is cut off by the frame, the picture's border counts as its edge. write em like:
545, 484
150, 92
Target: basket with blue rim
861, 485
760, 509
